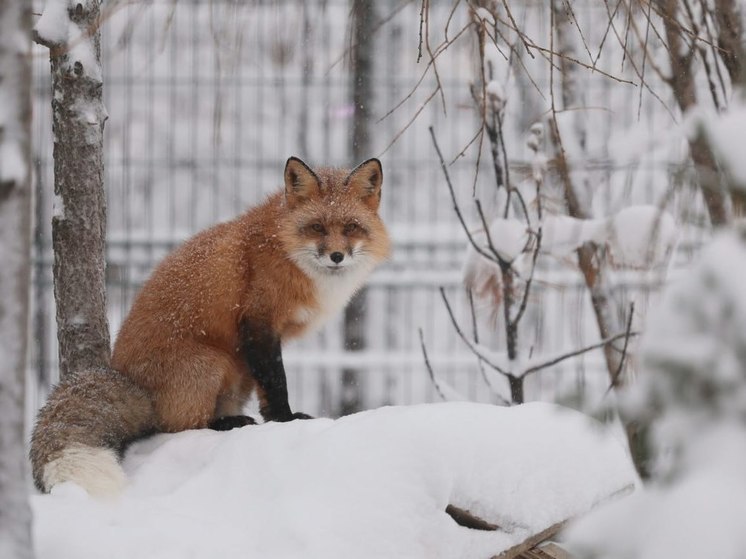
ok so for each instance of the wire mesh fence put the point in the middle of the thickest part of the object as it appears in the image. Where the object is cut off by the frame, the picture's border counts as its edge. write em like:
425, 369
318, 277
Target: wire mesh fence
207, 99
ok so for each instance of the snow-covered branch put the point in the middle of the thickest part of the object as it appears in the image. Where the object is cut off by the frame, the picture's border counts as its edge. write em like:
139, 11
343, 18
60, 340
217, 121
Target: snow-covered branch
501, 362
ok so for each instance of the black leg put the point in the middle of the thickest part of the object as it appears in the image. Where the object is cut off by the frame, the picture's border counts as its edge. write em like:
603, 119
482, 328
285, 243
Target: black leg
228, 422
262, 352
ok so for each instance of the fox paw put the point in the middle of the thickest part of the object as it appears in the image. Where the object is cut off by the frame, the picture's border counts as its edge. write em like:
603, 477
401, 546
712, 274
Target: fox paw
229, 422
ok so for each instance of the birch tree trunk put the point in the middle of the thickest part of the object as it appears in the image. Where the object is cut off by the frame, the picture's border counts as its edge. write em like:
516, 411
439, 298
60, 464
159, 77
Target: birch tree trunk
79, 223
15, 271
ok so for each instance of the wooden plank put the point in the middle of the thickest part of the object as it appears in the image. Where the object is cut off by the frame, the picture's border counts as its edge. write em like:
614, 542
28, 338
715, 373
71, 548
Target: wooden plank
546, 551
531, 542
515, 551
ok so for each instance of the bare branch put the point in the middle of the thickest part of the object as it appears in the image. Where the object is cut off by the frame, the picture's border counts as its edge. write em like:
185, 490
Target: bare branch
485, 226
609, 23
644, 60
571, 13
730, 37
438, 51
682, 84
480, 364
548, 53
627, 55
429, 368
618, 373
505, 165
410, 121
456, 207
467, 341
422, 23
515, 26
577, 352
527, 289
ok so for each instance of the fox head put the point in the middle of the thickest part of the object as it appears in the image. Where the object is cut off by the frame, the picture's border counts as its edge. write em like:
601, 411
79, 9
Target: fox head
333, 227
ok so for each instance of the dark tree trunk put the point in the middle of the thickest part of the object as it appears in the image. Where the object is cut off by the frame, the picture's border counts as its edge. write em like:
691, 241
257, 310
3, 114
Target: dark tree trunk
15, 272
590, 258
364, 14
683, 86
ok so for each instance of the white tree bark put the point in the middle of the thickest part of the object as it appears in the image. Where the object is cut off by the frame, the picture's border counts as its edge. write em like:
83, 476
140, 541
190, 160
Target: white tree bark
70, 28
15, 246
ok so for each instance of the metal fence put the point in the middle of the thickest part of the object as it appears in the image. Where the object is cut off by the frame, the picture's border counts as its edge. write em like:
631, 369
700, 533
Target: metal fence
207, 99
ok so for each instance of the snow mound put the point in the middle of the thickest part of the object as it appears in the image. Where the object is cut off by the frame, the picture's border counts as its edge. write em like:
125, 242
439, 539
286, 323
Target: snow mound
701, 515
375, 484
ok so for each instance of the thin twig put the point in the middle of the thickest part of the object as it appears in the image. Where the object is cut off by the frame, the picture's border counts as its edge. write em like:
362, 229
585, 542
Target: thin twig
432, 57
440, 49
480, 363
515, 26
353, 44
505, 165
644, 60
466, 340
715, 50
570, 11
429, 367
450, 17
411, 120
606, 32
456, 207
619, 370
501, 261
422, 22
462, 153
548, 53
525, 69
577, 352
529, 281
628, 56
524, 206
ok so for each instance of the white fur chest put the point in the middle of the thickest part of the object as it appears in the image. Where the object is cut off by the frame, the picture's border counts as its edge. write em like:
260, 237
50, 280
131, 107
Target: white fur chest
333, 292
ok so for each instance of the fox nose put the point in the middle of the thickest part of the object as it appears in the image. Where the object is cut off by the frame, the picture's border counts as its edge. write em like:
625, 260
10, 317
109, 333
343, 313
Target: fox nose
337, 257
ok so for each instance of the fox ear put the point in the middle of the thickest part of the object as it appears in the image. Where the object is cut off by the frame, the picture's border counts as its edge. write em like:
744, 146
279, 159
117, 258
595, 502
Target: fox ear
301, 182
366, 180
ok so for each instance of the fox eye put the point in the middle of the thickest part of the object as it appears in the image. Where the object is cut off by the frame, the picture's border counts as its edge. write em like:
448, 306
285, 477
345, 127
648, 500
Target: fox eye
350, 228
318, 228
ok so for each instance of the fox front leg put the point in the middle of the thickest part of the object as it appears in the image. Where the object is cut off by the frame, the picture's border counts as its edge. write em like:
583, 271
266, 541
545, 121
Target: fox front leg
261, 350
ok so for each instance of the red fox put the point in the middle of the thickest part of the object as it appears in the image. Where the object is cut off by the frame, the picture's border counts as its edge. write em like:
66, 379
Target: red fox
207, 327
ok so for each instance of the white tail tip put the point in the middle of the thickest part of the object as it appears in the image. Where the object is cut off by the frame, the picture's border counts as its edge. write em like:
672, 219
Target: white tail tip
96, 470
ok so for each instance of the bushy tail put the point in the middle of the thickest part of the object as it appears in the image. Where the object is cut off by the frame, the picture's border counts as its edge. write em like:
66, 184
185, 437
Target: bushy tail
83, 428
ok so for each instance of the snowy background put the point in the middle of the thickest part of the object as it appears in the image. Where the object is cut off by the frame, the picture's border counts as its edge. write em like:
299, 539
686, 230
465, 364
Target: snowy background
207, 99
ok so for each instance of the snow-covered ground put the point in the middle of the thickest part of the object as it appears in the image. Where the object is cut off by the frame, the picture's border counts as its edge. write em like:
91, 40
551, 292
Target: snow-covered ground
375, 484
